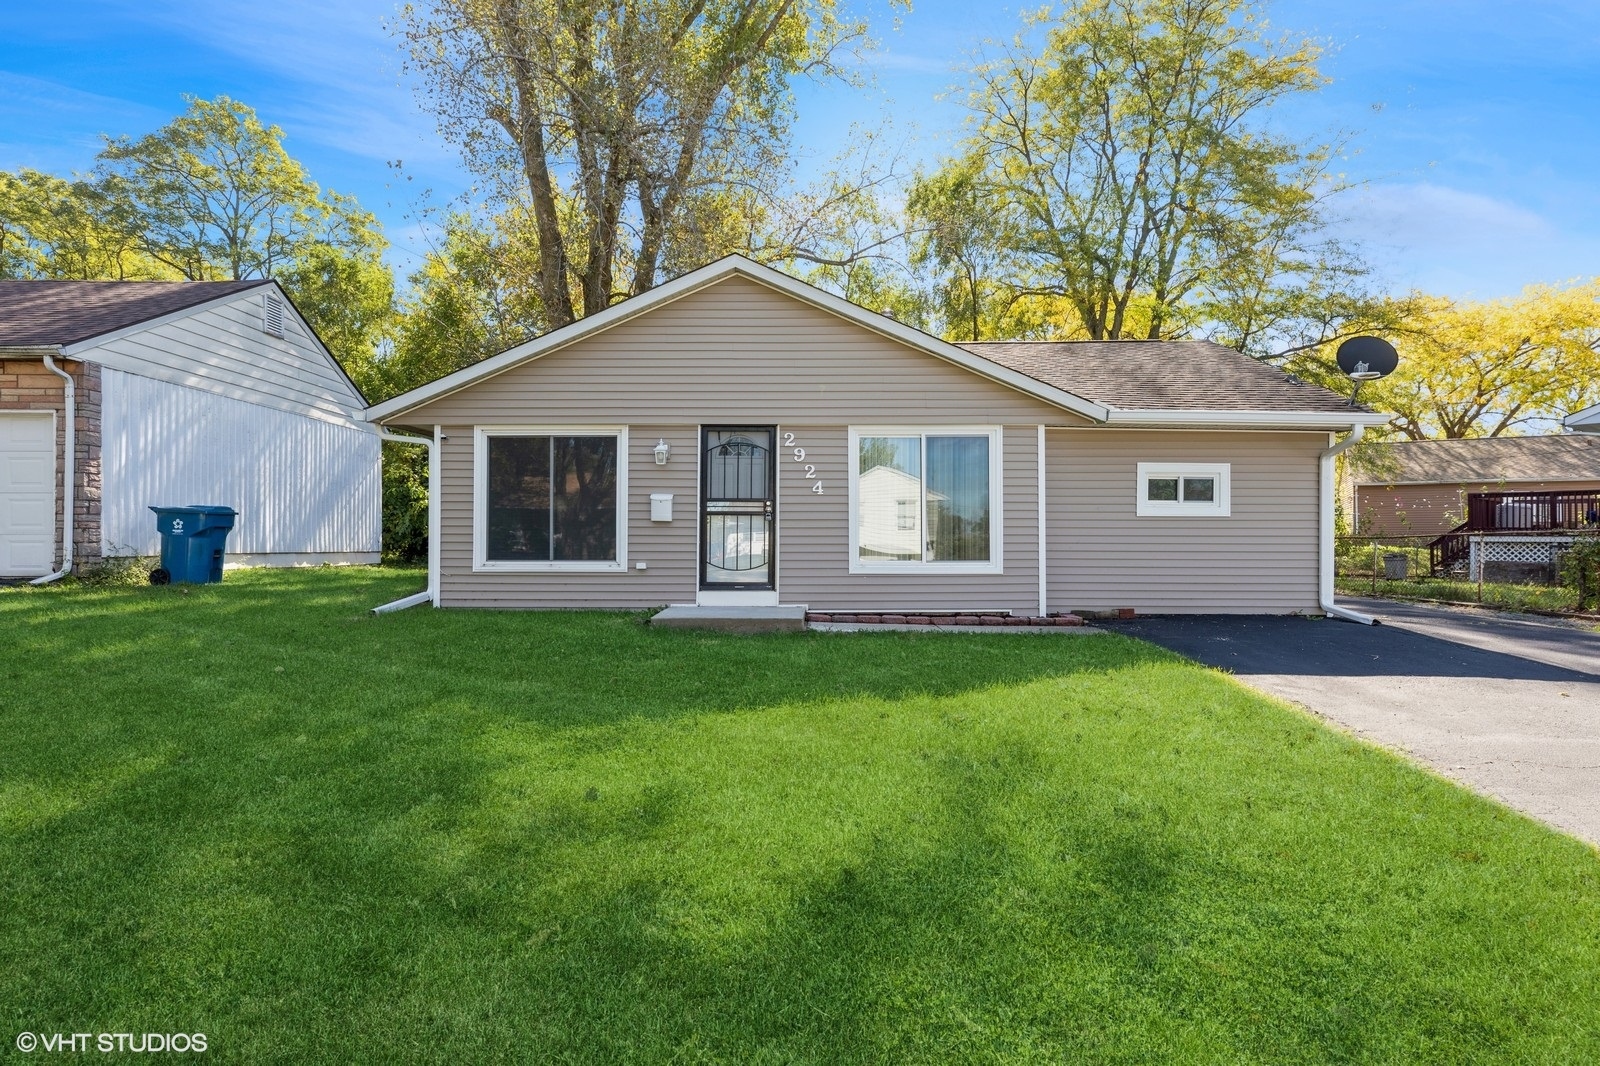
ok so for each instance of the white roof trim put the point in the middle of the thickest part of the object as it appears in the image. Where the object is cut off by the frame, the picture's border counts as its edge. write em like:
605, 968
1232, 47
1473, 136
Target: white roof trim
1157, 419
74, 349
1589, 416
699, 279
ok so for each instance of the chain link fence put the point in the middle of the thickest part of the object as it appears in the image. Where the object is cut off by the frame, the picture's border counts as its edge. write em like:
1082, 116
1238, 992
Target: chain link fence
1500, 571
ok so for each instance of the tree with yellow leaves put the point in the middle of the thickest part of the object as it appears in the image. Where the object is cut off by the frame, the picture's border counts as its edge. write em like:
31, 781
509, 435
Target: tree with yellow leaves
1485, 368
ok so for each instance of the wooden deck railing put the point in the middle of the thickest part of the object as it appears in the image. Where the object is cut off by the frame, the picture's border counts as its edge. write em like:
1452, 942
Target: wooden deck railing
1514, 512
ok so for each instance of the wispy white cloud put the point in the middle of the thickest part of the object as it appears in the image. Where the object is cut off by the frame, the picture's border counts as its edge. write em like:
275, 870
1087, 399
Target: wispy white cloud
1461, 243
336, 68
77, 116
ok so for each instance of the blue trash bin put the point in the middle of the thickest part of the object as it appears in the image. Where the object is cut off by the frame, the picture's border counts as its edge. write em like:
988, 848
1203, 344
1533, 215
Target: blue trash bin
193, 543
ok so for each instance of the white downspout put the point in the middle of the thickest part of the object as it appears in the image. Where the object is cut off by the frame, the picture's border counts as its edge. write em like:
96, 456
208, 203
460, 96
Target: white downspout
1325, 546
1044, 583
431, 593
68, 472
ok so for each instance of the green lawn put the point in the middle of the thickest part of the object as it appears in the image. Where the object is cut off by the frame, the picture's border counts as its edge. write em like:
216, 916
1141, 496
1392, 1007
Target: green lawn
255, 811
1493, 594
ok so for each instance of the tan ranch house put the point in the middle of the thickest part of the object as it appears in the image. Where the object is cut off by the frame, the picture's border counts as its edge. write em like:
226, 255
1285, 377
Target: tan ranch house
737, 437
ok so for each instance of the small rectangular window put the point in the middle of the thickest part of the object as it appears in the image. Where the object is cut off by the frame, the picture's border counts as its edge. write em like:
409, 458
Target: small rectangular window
1196, 490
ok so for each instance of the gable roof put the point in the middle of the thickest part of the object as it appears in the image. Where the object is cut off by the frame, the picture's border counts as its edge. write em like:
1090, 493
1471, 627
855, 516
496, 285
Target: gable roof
50, 313
1162, 375
1481, 460
1028, 375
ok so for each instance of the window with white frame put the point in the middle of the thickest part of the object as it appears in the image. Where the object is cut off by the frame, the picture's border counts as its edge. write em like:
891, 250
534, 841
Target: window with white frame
550, 499
925, 498
1193, 489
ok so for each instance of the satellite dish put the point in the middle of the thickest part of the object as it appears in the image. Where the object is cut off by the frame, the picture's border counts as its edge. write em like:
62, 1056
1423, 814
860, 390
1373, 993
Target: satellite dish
1367, 358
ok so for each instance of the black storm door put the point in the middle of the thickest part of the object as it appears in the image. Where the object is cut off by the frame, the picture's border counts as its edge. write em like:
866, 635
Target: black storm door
738, 498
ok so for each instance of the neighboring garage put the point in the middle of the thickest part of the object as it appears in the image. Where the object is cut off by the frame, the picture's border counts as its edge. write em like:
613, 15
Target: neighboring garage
27, 493
116, 396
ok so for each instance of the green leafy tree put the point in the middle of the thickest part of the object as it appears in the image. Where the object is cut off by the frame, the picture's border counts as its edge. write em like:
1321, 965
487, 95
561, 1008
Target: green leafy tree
219, 198
1484, 368
83, 229
472, 296
349, 299
1122, 165
955, 235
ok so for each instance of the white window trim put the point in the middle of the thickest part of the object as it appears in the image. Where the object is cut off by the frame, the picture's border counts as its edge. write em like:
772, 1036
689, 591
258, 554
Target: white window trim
995, 563
480, 500
1221, 507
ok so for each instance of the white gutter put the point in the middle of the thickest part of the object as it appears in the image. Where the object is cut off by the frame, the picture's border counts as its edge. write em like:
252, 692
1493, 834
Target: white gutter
68, 470
431, 593
1332, 420
1325, 545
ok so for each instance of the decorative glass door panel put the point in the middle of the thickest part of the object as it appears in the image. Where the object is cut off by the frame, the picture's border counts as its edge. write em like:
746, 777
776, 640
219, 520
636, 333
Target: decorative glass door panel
738, 500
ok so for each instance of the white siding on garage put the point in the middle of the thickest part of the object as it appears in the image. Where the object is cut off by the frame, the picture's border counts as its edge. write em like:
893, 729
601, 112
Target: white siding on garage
222, 349
302, 486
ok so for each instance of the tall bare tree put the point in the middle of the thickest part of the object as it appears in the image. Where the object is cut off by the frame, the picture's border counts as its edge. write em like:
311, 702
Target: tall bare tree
639, 133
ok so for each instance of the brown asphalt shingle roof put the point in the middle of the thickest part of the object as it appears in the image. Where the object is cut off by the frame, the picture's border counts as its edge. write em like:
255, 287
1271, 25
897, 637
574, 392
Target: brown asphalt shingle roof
1161, 375
64, 312
1567, 457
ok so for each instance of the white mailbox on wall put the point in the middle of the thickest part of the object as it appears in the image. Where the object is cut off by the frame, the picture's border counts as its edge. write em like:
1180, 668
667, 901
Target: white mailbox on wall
661, 507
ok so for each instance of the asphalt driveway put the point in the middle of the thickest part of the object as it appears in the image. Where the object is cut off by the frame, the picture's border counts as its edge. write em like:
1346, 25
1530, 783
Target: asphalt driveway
1507, 706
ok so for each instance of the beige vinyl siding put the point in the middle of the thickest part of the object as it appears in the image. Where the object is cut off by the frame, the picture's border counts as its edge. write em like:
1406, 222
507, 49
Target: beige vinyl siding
669, 549
1262, 558
737, 352
221, 348
814, 535
813, 543
1427, 510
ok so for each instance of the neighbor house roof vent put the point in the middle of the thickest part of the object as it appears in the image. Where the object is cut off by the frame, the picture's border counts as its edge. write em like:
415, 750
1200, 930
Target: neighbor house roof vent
272, 316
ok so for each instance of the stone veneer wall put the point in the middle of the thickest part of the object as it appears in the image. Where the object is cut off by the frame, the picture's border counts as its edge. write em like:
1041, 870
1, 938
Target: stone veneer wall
27, 385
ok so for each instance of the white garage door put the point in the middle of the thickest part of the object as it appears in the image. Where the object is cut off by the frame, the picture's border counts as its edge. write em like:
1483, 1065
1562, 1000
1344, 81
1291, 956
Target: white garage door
27, 493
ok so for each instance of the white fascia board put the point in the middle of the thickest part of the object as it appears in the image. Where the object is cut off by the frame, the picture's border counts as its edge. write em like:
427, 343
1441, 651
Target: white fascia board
1314, 420
699, 279
1588, 419
75, 349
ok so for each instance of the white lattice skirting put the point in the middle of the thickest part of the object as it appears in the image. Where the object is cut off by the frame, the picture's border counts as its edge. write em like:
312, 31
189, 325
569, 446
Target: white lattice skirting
1527, 549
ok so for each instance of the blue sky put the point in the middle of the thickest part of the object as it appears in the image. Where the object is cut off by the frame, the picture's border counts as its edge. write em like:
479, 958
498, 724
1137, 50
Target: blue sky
1473, 122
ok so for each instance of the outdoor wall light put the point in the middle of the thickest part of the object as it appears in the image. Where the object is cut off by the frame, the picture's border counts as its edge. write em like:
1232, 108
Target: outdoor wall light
663, 449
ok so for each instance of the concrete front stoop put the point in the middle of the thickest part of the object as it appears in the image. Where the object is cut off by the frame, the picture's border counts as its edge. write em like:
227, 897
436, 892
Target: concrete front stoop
780, 619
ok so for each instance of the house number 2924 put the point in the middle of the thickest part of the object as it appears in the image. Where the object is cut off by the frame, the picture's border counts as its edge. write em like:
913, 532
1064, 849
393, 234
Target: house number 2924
798, 454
